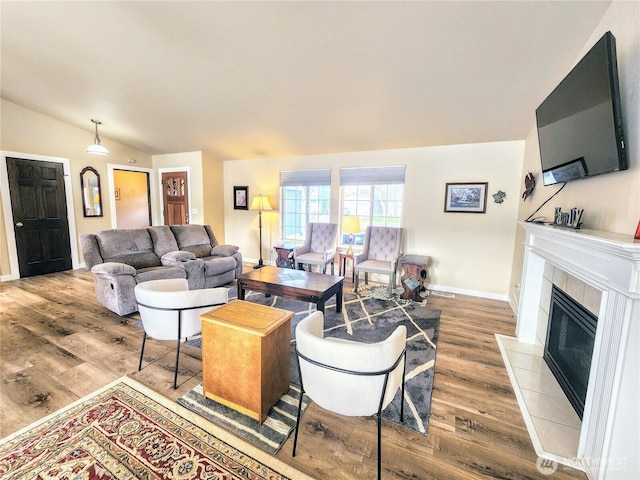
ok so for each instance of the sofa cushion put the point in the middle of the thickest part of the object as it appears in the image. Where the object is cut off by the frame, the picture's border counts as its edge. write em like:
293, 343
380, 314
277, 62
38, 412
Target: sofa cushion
159, 273
218, 265
163, 240
177, 256
224, 250
192, 238
130, 246
112, 268
137, 260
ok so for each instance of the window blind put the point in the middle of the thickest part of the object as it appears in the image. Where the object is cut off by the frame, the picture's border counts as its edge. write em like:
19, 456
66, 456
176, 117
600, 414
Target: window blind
299, 178
372, 175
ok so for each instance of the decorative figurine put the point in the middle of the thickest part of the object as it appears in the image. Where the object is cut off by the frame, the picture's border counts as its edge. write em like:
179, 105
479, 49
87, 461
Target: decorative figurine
529, 185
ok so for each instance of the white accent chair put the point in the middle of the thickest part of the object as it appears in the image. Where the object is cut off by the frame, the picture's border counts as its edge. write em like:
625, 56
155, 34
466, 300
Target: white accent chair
381, 250
347, 377
319, 247
170, 311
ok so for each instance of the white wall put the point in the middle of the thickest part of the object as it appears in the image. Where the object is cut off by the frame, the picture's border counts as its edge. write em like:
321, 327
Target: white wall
471, 253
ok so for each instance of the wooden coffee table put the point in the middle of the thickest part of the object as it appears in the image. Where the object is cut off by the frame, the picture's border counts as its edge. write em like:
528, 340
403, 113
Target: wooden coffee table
296, 284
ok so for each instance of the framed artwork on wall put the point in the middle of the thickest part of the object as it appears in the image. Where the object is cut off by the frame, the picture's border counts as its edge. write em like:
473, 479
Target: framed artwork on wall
466, 197
241, 198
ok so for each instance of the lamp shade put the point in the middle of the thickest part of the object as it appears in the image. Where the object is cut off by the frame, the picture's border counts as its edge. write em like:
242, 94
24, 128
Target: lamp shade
97, 147
260, 203
351, 225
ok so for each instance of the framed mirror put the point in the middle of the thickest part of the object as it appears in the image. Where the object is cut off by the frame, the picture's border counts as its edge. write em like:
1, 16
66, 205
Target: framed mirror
91, 194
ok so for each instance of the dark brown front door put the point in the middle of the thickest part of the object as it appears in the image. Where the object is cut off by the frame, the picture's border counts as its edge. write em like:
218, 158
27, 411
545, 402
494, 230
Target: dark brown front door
39, 206
175, 196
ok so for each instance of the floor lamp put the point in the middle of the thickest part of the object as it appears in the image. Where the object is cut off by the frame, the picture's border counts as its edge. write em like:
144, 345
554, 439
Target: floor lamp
260, 203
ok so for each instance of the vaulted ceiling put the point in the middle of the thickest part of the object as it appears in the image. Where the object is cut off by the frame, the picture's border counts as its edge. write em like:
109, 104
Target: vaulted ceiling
254, 79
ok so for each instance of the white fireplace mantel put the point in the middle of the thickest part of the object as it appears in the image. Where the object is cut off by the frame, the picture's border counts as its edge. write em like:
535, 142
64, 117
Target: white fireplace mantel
609, 446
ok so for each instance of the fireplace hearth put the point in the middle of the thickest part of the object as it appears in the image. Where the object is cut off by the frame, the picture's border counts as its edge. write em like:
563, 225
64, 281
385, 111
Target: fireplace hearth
569, 346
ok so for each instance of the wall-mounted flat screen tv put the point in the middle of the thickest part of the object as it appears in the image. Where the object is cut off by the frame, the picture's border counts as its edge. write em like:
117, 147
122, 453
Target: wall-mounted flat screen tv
580, 129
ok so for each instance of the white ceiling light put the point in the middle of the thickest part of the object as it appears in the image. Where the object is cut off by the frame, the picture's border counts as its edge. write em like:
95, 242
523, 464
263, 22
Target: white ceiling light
97, 148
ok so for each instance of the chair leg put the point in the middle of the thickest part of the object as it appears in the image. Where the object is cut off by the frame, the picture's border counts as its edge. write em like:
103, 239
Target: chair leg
355, 284
404, 373
332, 269
379, 446
144, 339
295, 435
175, 374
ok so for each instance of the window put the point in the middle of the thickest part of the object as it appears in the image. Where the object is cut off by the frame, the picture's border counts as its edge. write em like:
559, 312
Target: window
374, 194
305, 197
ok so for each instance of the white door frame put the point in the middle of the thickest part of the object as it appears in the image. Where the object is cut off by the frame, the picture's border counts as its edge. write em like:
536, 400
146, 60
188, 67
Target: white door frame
8, 213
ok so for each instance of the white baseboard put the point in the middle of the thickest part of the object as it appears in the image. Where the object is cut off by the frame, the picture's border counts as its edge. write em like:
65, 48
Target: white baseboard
472, 293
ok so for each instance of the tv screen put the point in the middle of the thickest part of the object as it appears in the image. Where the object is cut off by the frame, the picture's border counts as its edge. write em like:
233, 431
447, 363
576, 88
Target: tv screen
580, 123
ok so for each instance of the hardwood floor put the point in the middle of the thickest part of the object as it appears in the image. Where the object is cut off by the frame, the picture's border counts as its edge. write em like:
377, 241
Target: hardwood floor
58, 344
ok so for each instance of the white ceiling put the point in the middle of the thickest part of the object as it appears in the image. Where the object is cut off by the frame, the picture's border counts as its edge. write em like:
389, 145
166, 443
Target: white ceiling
272, 79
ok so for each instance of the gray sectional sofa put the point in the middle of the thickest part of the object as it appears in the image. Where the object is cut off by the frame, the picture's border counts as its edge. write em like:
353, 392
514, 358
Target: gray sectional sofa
122, 258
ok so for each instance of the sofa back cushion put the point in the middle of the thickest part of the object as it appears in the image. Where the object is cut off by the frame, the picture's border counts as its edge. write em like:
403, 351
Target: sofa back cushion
131, 246
163, 240
192, 238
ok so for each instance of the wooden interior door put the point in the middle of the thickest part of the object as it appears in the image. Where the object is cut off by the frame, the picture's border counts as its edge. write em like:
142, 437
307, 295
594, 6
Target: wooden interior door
175, 198
39, 207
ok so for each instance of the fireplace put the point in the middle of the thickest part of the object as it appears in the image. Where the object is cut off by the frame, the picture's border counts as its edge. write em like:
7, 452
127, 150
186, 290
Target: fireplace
608, 263
569, 346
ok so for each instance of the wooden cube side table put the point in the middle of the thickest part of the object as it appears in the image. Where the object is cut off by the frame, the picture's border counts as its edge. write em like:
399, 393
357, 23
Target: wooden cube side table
414, 274
245, 356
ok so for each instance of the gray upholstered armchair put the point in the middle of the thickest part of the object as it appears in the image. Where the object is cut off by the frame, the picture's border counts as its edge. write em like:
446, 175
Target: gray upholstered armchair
319, 247
380, 254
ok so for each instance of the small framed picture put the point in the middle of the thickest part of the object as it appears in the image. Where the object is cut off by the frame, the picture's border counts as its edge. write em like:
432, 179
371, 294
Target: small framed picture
466, 197
240, 198
116, 193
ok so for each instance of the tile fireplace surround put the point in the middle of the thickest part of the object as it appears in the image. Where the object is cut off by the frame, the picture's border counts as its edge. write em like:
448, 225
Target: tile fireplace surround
606, 443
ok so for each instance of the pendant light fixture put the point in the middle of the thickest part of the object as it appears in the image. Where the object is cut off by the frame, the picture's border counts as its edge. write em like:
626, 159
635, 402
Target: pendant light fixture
97, 148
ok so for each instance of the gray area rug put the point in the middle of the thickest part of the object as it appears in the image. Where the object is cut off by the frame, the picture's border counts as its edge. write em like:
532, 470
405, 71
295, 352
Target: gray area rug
270, 436
368, 319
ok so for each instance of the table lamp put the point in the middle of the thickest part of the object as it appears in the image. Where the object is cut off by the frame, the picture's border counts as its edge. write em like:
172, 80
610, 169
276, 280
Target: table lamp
260, 203
351, 225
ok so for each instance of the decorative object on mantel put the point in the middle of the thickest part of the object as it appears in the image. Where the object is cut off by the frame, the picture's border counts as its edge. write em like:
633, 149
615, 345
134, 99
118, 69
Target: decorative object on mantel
499, 196
637, 235
466, 197
572, 219
529, 185
97, 148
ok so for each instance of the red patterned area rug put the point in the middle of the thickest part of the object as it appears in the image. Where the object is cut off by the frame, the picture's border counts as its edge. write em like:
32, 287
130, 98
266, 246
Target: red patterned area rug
126, 431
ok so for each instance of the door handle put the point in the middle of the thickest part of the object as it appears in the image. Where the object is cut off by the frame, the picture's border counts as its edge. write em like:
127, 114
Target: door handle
19, 224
